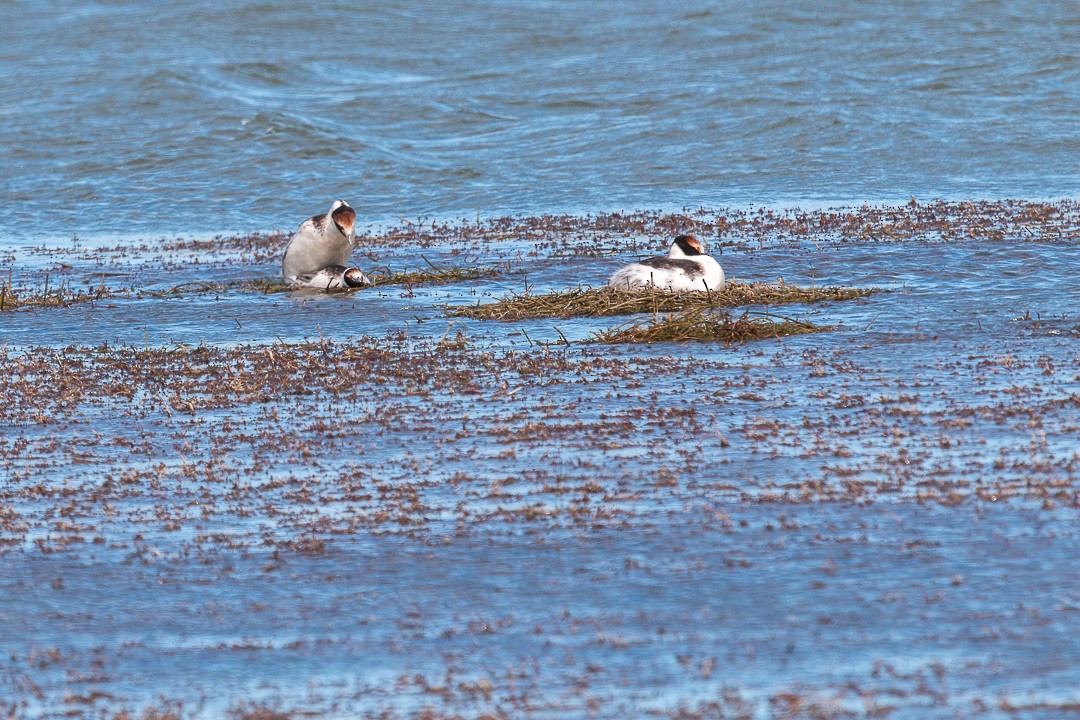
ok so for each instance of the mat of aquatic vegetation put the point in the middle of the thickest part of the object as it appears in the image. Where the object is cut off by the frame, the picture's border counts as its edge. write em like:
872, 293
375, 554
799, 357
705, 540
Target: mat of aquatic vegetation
611, 302
284, 506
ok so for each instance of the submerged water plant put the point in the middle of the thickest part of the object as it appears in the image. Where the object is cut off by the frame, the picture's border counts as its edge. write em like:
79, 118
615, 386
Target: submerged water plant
59, 295
705, 324
434, 276
379, 277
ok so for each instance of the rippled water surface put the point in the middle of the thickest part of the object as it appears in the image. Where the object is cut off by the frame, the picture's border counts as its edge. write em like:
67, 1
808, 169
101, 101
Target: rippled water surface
159, 119
222, 499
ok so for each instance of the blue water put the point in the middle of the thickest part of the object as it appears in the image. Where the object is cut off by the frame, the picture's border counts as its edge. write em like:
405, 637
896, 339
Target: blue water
874, 521
131, 118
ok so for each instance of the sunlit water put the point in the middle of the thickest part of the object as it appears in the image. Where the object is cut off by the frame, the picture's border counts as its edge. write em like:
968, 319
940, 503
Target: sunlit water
127, 118
125, 122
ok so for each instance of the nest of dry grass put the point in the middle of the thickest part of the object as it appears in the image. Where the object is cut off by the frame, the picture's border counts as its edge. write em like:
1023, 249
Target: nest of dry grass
63, 294
379, 277
706, 325
434, 276
263, 285
608, 302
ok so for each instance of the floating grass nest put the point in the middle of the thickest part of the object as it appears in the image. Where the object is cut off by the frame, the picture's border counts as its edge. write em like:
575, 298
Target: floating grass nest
379, 277
263, 285
63, 295
606, 301
435, 276
706, 325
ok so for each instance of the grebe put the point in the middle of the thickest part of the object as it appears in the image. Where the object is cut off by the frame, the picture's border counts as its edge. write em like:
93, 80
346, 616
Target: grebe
319, 244
685, 267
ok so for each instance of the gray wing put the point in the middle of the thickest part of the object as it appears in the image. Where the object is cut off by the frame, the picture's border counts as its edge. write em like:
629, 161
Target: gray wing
691, 268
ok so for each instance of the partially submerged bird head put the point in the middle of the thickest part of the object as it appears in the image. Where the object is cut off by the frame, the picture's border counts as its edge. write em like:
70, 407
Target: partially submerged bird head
354, 278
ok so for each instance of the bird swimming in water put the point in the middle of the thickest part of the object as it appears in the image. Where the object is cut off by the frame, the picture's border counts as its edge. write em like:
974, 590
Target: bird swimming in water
317, 252
685, 267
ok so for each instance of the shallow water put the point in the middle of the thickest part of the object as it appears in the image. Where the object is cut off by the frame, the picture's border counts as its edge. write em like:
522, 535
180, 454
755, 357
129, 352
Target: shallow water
414, 514
875, 519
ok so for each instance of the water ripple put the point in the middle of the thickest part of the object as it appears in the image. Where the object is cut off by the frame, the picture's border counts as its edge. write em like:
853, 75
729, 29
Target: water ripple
528, 107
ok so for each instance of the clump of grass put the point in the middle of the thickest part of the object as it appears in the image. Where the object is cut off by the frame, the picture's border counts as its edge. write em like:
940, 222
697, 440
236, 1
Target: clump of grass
378, 277
706, 325
606, 301
435, 276
262, 285
62, 295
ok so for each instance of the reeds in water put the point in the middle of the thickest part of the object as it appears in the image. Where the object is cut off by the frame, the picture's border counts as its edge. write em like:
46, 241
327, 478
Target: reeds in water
59, 295
434, 276
706, 325
607, 302
379, 277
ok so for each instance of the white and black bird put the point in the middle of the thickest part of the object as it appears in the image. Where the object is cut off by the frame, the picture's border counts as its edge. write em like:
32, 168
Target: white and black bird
319, 249
685, 267
334, 277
